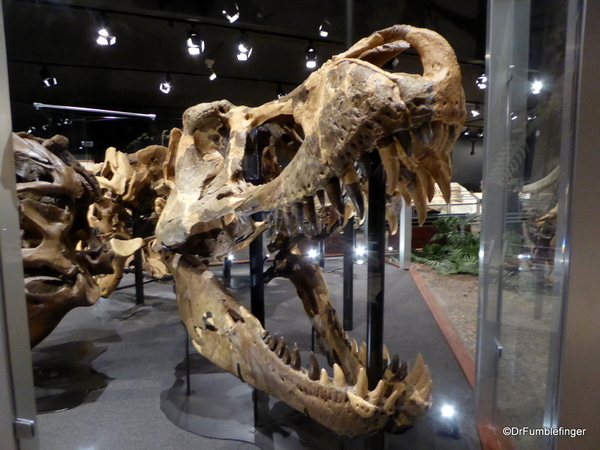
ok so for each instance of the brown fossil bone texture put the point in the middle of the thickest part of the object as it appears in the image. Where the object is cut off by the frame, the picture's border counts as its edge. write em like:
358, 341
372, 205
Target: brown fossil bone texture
315, 146
130, 182
61, 254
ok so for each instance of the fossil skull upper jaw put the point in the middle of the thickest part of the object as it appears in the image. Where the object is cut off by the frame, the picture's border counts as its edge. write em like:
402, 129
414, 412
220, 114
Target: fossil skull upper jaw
344, 110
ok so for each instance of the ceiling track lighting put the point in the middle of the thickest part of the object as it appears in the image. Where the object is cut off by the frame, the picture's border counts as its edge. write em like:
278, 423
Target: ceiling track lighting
481, 81
195, 43
324, 28
244, 48
476, 112
231, 12
105, 37
47, 79
165, 86
311, 56
209, 64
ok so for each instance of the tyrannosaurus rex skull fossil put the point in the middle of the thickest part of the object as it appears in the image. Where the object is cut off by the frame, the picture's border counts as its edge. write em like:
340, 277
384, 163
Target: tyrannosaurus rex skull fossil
61, 254
326, 128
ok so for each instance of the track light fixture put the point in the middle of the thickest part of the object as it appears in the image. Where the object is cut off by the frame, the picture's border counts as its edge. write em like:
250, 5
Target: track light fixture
231, 12
324, 28
165, 86
476, 112
279, 90
311, 56
481, 81
244, 47
47, 79
480, 133
466, 131
104, 35
195, 43
209, 64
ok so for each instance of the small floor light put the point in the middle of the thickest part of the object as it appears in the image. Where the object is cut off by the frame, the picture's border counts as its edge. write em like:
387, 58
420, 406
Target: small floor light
324, 28
232, 12
195, 44
244, 48
104, 35
47, 79
165, 86
536, 87
311, 57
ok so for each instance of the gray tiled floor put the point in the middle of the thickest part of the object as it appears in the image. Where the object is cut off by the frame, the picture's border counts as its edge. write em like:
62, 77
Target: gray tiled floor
143, 351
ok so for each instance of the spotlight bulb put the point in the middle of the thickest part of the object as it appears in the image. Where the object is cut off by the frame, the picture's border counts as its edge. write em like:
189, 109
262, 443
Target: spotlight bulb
47, 79
311, 57
536, 87
212, 76
195, 43
232, 12
165, 86
104, 35
244, 48
324, 28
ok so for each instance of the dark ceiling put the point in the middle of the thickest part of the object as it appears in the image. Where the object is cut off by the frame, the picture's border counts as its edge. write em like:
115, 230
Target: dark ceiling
151, 39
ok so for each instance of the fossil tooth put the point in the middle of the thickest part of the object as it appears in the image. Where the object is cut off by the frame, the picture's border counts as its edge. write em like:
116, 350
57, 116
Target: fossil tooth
394, 364
296, 360
417, 371
287, 356
391, 164
362, 384
386, 354
273, 343
324, 379
280, 347
339, 379
313, 367
334, 193
311, 214
355, 193
392, 217
264, 335
425, 391
321, 197
376, 394
423, 135
391, 401
402, 371
354, 346
362, 353
361, 406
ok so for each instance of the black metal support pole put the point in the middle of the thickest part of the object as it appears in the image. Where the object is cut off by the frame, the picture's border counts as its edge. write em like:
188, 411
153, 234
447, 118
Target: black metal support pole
375, 270
348, 298
257, 289
321, 252
138, 261
227, 269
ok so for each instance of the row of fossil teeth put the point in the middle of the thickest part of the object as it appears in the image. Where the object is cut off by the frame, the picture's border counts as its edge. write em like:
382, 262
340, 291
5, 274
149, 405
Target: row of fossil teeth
358, 394
414, 160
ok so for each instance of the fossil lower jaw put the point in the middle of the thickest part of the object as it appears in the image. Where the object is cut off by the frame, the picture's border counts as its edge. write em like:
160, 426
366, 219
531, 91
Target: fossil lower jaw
231, 337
